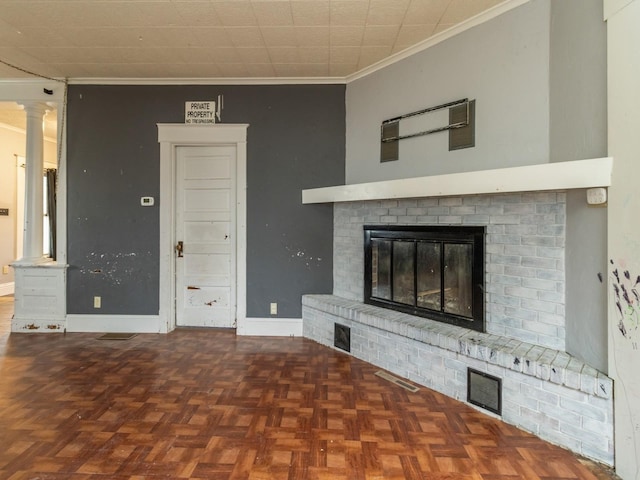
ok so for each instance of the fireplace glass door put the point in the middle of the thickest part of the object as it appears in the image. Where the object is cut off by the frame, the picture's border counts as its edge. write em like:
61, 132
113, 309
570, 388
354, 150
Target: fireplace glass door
435, 272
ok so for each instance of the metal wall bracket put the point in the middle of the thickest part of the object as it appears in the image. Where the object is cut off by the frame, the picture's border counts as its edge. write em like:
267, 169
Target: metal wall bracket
461, 119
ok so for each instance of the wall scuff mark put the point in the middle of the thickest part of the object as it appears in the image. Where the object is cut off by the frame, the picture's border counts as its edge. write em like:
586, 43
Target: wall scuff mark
627, 300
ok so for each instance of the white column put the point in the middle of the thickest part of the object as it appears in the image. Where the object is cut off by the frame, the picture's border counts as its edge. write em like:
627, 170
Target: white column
33, 207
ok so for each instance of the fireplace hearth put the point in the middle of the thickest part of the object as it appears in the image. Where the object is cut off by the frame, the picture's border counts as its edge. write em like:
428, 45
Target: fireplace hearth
435, 272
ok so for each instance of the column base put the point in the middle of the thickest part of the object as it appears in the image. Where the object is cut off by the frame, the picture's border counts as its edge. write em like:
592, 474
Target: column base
40, 296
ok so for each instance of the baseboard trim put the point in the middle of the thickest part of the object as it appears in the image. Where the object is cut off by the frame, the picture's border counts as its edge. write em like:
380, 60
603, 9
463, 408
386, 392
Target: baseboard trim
272, 327
37, 324
114, 323
7, 288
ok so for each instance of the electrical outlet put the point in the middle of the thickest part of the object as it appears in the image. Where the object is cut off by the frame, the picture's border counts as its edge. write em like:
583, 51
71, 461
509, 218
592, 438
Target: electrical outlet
97, 302
273, 308
5, 269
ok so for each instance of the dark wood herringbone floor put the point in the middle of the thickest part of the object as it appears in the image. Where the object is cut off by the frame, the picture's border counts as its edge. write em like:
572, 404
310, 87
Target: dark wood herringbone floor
205, 404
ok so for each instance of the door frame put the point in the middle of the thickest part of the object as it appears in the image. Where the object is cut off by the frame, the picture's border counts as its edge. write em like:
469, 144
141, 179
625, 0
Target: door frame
171, 136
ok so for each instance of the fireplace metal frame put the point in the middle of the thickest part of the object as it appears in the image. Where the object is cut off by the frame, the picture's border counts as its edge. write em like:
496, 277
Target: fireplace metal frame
474, 235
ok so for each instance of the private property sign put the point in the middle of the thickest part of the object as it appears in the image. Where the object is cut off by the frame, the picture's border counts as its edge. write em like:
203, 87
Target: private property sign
200, 112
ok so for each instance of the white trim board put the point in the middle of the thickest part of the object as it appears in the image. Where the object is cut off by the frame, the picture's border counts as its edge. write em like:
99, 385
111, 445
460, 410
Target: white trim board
595, 172
171, 136
114, 323
271, 327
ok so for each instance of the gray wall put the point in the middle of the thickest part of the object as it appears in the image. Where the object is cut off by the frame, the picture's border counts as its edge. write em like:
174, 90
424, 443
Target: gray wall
503, 64
578, 129
295, 141
538, 74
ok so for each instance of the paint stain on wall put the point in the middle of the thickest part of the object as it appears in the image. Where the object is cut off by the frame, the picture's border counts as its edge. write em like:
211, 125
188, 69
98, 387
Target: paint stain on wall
115, 268
626, 291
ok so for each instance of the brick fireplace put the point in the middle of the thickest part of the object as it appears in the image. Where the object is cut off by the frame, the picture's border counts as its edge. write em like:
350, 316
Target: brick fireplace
545, 390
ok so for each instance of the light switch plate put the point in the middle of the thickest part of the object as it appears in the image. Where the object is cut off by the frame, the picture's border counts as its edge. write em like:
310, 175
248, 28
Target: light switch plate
147, 201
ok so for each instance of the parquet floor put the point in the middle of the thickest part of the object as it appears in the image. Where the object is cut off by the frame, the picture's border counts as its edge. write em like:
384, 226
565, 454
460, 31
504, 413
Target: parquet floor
205, 404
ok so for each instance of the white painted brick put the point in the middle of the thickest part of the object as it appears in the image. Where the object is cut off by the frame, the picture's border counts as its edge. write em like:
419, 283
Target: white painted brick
465, 210
449, 201
541, 284
598, 441
550, 252
605, 386
551, 297
475, 219
490, 210
538, 262
506, 280
546, 274
521, 229
542, 274
584, 408
494, 229
428, 202
438, 211
521, 314
502, 239
398, 211
417, 211
523, 272
551, 230
522, 292
605, 457
408, 203
505, 259
449, 220
540, 395
540, 197
476, 200
538, 241
541, 328
545, 307
561, 438
427, 219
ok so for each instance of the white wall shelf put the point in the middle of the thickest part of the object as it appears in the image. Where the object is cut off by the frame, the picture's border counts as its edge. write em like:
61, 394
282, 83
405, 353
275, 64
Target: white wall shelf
595, 172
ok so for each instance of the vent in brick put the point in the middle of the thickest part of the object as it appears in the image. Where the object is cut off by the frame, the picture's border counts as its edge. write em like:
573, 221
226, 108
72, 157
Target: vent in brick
397, 381
484, 390
342, 337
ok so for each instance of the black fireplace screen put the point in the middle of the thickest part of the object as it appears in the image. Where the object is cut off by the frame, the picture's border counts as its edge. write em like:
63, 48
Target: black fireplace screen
434, 272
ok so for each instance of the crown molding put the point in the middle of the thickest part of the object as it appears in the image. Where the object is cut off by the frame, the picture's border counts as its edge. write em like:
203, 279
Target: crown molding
210, 81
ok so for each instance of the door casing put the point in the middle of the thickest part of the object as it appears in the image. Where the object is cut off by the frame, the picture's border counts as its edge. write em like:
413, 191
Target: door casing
171, 136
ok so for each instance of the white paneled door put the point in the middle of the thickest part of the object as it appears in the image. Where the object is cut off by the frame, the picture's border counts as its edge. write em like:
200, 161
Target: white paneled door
205, 243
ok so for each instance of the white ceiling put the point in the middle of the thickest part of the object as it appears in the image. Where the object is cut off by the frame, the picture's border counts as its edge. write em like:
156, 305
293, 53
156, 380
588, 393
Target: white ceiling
216, 38
211, 39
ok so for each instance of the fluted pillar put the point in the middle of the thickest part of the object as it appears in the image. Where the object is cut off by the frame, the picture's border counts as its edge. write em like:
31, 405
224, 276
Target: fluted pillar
33, 206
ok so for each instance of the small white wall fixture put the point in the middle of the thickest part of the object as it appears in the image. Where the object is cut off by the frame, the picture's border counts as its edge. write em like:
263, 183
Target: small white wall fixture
171, 136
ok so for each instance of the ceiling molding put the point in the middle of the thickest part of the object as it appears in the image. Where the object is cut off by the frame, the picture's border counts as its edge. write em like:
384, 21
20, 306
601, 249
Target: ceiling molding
210, 81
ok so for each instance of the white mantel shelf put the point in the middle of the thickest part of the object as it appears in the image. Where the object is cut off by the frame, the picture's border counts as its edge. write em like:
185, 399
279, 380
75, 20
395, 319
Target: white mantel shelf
595, 172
